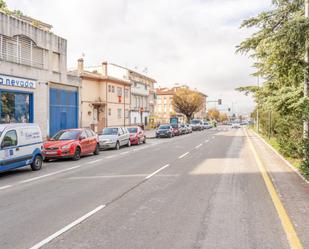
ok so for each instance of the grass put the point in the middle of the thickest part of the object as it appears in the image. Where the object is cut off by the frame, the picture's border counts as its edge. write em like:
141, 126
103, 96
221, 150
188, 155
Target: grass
296, 162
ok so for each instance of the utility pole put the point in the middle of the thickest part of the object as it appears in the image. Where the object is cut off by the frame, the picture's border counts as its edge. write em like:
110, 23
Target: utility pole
306, 69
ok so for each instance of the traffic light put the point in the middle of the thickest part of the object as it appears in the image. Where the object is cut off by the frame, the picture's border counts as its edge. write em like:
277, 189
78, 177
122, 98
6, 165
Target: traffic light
219, 101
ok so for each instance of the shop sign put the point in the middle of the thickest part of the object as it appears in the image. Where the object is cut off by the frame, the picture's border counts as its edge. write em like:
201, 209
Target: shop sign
16, 82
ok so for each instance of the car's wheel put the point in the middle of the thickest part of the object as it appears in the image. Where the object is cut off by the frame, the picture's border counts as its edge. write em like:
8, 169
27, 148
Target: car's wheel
144, 140
37, 163
97, 150
170, 135
77, 154
129, 143
117, 146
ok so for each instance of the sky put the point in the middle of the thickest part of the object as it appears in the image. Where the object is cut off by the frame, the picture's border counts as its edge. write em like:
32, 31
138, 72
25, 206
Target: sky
190, 42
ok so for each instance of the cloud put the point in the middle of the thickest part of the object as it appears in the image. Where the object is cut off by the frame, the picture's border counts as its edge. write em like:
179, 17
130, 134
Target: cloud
184, 41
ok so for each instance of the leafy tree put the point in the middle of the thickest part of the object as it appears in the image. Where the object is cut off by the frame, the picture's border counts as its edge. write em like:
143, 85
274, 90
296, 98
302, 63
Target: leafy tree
187, 102
278, 47
223, 117
213, 114
2, 5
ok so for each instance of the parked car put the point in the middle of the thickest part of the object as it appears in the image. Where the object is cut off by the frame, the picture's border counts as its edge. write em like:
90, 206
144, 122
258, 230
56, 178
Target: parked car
137, 135
236, 125
20, 145
196, 124
176, 129
189, 128
207, 125
165, 131
114, 138
71, 143
184, 129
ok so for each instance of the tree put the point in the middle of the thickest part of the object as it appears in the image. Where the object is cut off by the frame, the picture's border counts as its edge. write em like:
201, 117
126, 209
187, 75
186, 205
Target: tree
223, 117
278, 47
213, 114
187, 102
3, 5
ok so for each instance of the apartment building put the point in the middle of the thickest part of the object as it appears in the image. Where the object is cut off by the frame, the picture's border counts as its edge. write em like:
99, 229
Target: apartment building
164, 108
34, 84
105, 95
142, 99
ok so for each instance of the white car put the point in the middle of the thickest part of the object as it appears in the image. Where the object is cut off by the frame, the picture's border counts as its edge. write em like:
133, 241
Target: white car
114, 138
235, 125
20, 145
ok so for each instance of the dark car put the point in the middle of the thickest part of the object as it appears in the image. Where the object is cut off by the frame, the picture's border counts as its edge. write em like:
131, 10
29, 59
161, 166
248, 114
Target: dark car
137, 135
165, 131
176, 129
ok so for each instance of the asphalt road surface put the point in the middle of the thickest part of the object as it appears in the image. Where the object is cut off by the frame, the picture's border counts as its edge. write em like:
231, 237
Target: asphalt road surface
203, 190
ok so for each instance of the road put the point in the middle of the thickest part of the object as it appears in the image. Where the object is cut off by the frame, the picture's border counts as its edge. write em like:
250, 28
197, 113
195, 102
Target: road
204, 190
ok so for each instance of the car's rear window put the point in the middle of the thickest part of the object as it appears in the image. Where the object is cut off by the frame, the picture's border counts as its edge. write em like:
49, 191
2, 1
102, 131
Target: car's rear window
132, 130
110, 131
195, 122
164, 127
66, 135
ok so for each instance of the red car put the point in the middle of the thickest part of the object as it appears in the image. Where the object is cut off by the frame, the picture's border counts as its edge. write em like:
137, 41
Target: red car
137, 135
176, 129
72, 143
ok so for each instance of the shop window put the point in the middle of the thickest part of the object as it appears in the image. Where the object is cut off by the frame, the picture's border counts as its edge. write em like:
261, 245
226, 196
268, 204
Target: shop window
9, 140
15, 107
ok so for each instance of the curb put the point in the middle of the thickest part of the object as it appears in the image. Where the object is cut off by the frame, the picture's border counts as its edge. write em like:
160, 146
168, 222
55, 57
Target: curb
282, 158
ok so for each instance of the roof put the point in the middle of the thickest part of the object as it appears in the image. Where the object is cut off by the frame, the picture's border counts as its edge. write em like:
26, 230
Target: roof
98, 76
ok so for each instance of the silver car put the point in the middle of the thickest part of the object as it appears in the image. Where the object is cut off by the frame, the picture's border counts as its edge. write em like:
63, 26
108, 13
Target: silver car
114, 138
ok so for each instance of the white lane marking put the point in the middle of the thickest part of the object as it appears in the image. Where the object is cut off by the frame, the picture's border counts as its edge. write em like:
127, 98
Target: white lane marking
105, 176
157, 171
183, 155
206, 141
212, 137
5, 187
47, 175
198, 146
95, 161
66, 228
111, 156
125, 152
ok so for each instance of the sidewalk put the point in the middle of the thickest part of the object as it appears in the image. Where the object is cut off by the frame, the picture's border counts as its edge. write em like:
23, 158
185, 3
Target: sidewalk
292, 189
150, 133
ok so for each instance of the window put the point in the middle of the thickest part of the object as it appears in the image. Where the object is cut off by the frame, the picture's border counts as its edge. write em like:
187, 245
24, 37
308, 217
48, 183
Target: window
22, 50
135, 84
9, 140
56, 62
109, 111
126, 113
89, 133
120, 131
15, 107
126, 93
119, 112
146, 87
113, 89
109, 88
119, 91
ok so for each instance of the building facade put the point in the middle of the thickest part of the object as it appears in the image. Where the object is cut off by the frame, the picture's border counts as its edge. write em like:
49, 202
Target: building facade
142, 99
164, 109
105, 96
34, 85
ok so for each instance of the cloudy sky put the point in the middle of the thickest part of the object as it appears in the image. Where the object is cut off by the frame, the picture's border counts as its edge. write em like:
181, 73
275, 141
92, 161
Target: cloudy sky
179, 41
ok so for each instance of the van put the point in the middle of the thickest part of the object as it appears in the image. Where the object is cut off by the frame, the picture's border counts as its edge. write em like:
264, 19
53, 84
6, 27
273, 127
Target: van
20, 145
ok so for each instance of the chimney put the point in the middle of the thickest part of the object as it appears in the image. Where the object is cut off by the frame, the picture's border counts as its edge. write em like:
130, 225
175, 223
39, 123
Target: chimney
104, 68
80, 65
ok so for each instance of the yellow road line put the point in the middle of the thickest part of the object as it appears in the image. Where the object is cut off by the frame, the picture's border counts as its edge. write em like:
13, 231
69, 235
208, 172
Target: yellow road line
286, 222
